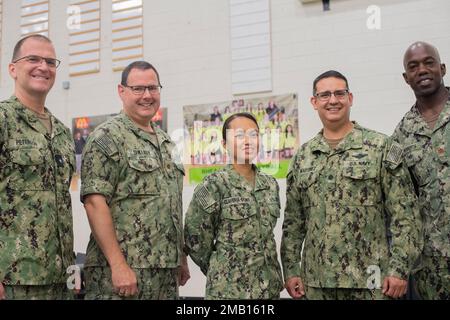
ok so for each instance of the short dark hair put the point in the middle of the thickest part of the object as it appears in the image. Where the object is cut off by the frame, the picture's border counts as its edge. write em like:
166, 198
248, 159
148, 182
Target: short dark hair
140, 65
227, 123
329, 74
19, 44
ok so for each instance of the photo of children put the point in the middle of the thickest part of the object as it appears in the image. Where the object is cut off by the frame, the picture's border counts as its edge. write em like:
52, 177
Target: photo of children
278, 121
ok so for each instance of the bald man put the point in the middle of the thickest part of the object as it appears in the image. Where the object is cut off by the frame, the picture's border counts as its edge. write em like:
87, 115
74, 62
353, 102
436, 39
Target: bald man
425, 134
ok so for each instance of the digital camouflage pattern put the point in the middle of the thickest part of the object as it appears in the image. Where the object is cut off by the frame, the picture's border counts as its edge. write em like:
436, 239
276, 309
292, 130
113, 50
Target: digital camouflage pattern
433, 280
35, 204
153, 284
427, 155
340, 202
142, 184
312, 293
229, 235
48, 292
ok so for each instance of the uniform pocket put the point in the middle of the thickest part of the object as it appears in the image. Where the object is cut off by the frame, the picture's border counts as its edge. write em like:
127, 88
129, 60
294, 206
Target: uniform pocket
29, 170
415, 160
239, 223
144, 174
360, 187
307, 183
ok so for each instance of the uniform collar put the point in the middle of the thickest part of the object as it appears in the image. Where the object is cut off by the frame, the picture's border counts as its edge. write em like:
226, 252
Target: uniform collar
238, 181
32, 120
414, 122
129, 124
354, 140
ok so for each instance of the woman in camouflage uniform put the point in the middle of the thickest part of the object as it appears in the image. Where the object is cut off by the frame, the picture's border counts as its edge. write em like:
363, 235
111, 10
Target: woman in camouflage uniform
230, 221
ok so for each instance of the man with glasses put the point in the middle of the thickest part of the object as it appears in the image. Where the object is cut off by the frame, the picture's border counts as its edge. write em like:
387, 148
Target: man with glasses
350, 200
37, 161
132, 187
425, 134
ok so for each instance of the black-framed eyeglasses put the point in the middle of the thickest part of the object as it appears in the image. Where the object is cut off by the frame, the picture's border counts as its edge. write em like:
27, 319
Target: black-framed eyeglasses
33, 59
140, 90
326, 95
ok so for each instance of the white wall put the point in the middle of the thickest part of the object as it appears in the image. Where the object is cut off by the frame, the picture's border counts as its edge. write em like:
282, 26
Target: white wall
189, 43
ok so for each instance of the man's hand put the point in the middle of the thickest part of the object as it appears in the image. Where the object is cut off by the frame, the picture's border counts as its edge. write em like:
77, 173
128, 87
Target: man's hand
183, 272
2, 292
394, 287
124, 280
295, 287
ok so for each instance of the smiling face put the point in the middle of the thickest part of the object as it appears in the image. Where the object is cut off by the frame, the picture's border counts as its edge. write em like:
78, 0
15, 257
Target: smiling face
423, 69
242, 140
140, 108
334, 110
34, 79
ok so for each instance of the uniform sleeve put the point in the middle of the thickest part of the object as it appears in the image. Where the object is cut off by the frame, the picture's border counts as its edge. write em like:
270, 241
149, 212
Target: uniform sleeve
100, 167
200, 225
294, 227
402, 209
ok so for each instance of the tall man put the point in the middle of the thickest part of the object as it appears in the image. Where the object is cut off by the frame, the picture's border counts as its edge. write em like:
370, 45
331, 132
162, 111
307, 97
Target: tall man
424, 133
132, 191
36, 165
346, 188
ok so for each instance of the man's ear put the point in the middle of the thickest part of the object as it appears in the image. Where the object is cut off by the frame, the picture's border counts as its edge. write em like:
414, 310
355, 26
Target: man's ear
405, 77
120, 90
12, 70
313, 101
350, 98
443, 69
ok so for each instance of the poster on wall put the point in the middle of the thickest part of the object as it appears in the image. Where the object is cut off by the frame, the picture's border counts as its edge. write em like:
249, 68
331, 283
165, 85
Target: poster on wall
278, 122
84, 126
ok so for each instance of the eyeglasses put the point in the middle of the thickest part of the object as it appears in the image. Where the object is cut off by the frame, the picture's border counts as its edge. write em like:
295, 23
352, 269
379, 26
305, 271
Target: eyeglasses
250, 135
32, 59
140, 90
326, 95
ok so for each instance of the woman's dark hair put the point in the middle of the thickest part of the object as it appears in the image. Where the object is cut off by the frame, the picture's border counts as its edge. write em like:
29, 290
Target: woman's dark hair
227, 123
287, 132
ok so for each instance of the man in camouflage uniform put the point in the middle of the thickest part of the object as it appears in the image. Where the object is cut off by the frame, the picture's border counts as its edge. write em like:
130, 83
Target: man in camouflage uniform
424, 133
37, 161
229, 235
132, 191
347, 190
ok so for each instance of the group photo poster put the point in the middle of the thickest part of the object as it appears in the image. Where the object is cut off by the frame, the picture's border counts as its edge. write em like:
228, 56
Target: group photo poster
278, 122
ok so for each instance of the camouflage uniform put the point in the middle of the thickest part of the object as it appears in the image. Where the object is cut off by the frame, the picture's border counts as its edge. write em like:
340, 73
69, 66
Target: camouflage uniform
142, 184
229, 235
427, 155
153, 284
35, 203
312, 293
339, 203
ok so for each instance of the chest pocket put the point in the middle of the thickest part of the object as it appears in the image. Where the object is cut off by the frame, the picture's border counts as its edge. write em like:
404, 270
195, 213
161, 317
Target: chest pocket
415, 158
143, 175
29, 170
308, 188
359, 185
65, 164
238, 223
180, 175
270, 212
